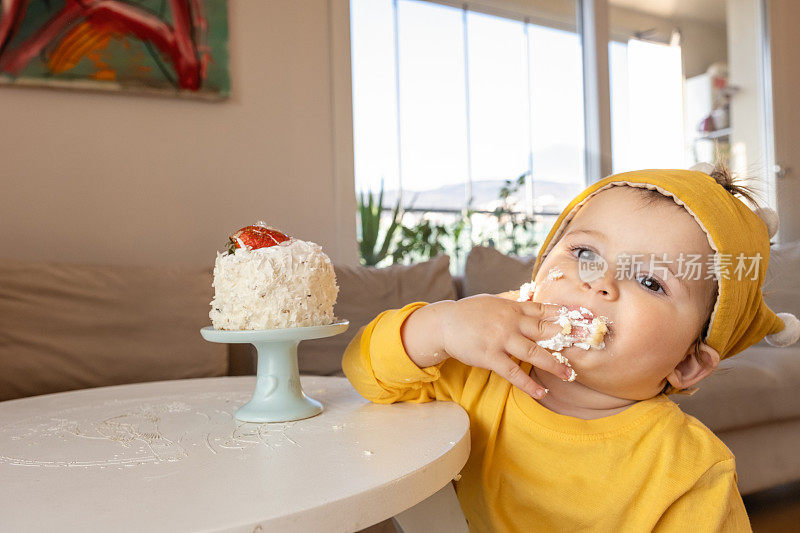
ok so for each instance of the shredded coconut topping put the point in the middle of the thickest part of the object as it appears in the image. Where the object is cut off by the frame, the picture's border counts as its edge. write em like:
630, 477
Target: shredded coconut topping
526, 292
291, 284
563, 360
590, 331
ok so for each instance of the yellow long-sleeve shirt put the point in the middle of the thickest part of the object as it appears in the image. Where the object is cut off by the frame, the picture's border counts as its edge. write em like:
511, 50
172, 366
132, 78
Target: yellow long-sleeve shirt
650, 467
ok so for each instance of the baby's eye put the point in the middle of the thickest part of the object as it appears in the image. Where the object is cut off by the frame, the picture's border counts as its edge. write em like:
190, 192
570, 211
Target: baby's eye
650, 283
583, 253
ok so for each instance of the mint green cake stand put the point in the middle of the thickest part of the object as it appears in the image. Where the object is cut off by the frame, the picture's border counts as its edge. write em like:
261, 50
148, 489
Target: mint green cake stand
278, 397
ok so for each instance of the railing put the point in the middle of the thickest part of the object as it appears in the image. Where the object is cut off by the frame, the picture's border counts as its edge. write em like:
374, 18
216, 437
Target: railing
458, 211
458, 258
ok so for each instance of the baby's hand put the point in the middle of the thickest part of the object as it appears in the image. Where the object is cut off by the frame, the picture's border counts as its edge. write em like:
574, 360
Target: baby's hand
483, 331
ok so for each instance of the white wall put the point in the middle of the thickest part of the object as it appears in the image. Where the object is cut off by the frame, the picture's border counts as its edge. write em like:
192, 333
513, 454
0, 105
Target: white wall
749, 152
102, 178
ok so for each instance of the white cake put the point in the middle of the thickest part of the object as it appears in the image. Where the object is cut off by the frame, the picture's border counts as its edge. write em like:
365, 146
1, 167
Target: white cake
291, 284
579, 327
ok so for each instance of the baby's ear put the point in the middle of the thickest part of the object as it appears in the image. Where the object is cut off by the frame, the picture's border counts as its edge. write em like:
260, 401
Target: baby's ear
700, 361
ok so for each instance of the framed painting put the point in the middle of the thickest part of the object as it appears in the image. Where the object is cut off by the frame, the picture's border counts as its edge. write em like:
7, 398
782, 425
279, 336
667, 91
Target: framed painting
169, 47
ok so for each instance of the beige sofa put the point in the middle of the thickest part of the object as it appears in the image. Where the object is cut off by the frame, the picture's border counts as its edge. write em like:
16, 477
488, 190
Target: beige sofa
66, 326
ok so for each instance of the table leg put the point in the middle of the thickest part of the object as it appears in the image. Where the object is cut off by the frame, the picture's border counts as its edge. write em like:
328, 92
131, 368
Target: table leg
439, 513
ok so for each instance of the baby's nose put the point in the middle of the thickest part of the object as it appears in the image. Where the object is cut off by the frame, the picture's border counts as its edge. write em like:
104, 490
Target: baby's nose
605, 287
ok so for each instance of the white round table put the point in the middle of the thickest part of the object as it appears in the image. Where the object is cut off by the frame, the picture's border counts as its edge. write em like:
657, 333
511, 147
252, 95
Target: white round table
169, 456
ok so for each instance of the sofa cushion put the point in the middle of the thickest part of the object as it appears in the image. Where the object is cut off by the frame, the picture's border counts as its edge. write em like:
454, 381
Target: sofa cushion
756, 386
491, 272
69, 326
364, 292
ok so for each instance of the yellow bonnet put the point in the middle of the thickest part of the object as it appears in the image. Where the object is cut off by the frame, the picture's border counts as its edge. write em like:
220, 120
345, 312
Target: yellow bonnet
740, 317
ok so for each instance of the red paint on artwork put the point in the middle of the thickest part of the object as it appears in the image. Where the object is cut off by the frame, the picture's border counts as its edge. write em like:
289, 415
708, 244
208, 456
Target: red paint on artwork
82, 26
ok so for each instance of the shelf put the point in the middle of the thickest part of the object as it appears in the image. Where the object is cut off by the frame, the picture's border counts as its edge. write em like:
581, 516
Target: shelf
716, 134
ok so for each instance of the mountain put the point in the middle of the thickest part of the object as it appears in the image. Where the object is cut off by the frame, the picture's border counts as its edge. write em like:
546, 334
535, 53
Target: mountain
548, 196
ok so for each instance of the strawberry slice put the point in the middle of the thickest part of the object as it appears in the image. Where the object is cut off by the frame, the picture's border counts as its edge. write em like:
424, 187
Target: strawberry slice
254, 237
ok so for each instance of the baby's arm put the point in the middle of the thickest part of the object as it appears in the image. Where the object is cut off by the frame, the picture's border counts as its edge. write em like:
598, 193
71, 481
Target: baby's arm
713, 504
377, 365
401, 350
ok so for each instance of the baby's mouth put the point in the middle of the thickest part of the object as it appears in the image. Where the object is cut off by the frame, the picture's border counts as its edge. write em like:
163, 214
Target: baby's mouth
580, 327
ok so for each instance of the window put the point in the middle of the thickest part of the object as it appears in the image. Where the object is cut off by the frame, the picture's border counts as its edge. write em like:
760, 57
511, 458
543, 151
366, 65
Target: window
452, 97
646, 82
449, 103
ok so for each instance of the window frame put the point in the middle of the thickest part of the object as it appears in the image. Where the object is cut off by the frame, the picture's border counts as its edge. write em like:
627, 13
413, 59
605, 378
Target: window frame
592, 26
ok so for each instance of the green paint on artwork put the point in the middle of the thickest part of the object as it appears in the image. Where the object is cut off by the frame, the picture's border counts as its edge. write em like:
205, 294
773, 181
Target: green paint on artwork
119, 62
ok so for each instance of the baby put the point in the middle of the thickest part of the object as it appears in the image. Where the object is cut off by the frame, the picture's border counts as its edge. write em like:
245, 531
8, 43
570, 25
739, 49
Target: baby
581, 437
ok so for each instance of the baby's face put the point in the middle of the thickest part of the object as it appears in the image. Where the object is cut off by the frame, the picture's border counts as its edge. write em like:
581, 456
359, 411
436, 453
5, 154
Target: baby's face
654, 318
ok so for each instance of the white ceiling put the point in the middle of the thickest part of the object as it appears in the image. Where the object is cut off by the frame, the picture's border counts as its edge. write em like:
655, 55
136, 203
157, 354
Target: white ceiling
712, 11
